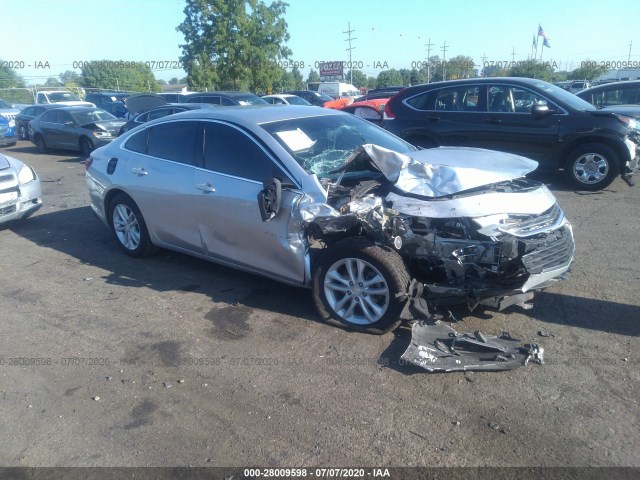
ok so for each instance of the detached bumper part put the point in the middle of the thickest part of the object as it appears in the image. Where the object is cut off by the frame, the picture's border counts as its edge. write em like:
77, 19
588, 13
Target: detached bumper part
436, 347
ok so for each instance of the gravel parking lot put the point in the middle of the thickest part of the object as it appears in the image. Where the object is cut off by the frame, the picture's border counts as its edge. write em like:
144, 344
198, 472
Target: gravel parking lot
171, 361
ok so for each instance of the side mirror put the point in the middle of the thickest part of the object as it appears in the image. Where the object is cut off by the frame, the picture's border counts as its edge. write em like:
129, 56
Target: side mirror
540, 110
269, 199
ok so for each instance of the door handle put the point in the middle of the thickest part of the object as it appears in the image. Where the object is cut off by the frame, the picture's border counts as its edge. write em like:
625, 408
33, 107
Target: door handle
205, 187
494, 121
433, 118
141, 172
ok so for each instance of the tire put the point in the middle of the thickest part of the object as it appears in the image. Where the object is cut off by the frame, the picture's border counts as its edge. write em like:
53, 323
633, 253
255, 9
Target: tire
355, 304
23, 133
41, 146
86, 147
129, 227
592, 167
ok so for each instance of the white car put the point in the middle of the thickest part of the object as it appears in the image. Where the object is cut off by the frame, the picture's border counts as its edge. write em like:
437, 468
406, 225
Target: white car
20, 190
285, 99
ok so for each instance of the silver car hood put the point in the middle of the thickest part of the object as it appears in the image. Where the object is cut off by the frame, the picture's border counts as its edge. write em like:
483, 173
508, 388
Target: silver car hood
438, 172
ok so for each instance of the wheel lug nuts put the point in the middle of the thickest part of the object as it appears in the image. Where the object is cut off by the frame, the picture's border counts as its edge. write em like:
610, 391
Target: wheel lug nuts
349, 292
364, 294
361, 284
351, 284
357, 299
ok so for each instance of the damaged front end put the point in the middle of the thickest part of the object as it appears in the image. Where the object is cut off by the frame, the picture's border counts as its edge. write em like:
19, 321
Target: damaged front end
469, 235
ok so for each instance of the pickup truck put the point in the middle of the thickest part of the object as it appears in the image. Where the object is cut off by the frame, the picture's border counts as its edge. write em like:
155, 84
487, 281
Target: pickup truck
61, 97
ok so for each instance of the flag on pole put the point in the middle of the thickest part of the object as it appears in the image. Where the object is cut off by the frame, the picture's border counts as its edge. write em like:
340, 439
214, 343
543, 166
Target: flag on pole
541, 33
535, 41
545, 43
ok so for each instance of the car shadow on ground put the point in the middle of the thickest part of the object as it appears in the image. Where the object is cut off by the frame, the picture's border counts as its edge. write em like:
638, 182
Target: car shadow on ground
66, 155
557, 183
78, 233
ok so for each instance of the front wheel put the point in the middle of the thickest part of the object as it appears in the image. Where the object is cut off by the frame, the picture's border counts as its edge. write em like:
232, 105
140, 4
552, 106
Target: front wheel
86, 147
23, 133
592, 167
41, 146
129, 227
361, 284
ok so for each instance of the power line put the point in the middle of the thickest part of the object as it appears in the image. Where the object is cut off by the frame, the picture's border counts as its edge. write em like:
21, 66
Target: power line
444, 49
429, 45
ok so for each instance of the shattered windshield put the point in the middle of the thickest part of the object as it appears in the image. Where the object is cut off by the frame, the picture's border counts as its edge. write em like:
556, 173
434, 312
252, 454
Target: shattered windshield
322, 144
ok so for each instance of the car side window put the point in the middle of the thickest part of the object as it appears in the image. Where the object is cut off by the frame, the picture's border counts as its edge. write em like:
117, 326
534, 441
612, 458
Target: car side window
421, 101
505, 98
163, 112
630, 95
64, 117
212, 100
231, 151
138, 142
49, 116
142, 118
175, 141
29, 112
227, 101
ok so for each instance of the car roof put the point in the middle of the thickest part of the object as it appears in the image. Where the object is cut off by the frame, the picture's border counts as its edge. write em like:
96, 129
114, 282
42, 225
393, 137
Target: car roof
613, 86
279, 95
78, 108
256, 114
226, 93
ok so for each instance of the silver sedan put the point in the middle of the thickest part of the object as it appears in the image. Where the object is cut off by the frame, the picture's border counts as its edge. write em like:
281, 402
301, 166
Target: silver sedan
20, 190
322, 199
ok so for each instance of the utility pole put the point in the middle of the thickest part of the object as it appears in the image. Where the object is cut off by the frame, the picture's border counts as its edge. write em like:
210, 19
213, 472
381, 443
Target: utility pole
629, 58
444, 60
484, 59
349, 32
429, 45
513, 55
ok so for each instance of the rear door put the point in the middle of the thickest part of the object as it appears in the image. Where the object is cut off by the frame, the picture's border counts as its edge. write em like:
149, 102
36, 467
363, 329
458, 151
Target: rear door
509, 125
449, 116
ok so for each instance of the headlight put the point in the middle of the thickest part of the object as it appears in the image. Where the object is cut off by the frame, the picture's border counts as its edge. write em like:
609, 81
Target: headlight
12, 123
101, 134
26, 175
627, 121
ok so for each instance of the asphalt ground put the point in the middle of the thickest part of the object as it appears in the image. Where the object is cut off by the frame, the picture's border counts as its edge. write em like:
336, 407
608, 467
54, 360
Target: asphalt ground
107, 360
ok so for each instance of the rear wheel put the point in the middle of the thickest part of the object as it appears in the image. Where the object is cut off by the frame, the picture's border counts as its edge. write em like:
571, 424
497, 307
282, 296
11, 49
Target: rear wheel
41, 146
129, 227
361, 284
592, 167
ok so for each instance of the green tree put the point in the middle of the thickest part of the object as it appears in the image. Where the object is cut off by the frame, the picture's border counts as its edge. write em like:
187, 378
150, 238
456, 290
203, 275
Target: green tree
460, 67
372, 82
406, 76
9, 78
297, 77
359, 78
416, 77
69, 76
532, 69
52, 82
314, 76
121, 75
588, 70
234, 43
389, 78
174, 81
161, 82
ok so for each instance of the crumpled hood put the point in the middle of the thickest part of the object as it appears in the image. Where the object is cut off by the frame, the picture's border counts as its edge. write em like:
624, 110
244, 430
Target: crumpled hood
438, 172
111, 126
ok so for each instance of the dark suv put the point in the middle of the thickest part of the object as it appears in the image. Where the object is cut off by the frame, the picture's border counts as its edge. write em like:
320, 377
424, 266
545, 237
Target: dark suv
616, 93
314, 98
524, 116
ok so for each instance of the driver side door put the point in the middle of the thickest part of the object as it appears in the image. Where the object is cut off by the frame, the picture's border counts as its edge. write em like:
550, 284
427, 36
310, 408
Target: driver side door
226, 206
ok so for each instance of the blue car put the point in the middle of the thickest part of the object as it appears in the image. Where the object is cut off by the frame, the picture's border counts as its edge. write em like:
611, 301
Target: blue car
8, 136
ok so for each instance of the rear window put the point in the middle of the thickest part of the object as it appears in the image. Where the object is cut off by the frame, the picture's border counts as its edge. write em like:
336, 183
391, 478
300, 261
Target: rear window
422, 101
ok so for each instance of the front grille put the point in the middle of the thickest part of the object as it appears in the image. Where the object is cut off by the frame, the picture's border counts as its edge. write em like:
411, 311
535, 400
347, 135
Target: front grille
9, 116
552, 251
526, 226
7, 210
6, 178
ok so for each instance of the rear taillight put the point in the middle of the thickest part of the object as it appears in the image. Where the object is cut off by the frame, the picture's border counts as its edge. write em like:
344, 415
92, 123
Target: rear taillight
388, 114
88, 163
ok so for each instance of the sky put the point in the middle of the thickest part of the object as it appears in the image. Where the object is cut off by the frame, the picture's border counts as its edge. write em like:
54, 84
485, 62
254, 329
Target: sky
43, 38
